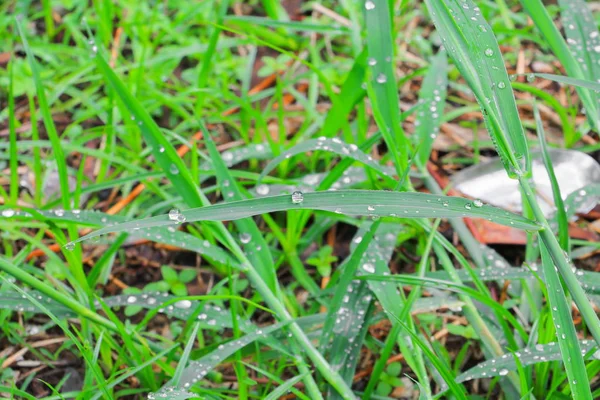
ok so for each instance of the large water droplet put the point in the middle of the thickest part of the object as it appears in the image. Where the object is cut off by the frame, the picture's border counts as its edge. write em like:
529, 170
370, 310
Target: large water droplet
368, 267
8, 213
501, 85
262, 190
70, 246
478, 203
297, 197
369, 5
503, 372
173, 214
381, 78
245, 237
489, 52
183, 304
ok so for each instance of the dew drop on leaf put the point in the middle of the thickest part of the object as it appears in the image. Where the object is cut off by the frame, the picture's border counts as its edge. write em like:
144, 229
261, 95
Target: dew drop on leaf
297, 197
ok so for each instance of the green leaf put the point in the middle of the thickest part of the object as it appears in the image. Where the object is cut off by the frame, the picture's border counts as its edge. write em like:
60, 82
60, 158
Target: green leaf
169, 274
187, 275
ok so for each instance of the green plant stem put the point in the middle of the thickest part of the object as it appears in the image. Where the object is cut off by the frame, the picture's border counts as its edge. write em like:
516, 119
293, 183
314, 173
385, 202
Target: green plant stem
564, 267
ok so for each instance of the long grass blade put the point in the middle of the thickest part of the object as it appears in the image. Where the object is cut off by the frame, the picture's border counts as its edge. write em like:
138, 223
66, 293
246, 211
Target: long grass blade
470, 42
349, 202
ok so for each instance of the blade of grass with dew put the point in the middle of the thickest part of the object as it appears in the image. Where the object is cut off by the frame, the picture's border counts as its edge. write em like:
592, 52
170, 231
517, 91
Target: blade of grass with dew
565, 330
539, 15
383, 90
167, 235
471, 43
163, 151
198, 369
540, 353
334, 145
351, 326
253, 242
584, 195
59, 156
185, 356
349, 202
433, 98
561, 215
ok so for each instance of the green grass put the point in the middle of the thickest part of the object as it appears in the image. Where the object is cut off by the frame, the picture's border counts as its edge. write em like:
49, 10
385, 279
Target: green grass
302, 243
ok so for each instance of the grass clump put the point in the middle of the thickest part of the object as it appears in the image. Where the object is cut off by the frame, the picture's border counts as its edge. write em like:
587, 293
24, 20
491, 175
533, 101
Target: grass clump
248, 200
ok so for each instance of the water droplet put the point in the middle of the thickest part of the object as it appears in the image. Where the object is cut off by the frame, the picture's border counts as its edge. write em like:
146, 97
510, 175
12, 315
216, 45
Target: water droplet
173, 214
489, 52
503, 372
372, 62
468, 206
8, 213
70, 246
297, 197
478, 203
131, 299
369, 5
245, 237
368, 267
501, 85
262, 190
181, 219
381, 78
173, 169
183, 304
161, 149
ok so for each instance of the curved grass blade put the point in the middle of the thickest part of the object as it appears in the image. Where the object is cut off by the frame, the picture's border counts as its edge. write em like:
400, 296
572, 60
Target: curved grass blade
432, 97
163, 151
334, 145
565, 330
471, 43
582, 196
198, 369
349, 202
284, 387
561, 215
500, 366
164, 235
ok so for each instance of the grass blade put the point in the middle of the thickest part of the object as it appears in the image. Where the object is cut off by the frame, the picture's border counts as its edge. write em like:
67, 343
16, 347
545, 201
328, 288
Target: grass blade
432, 97
57, 148
383, 89
469, 40
565, 330
527, 356
561, 215
349, 202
